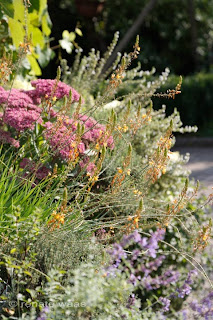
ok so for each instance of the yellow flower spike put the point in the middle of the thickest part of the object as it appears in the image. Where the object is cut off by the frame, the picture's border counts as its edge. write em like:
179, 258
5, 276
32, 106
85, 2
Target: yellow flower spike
164, 170
125, 128
54, 98
144, 116
97, 146
119, 170
135, 191
205, 237
136, 220
128, 172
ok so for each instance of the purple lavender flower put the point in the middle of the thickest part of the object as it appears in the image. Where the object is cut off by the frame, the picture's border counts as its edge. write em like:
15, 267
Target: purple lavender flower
185, 289
148, 267
204, 308
166, 303
43, 313
117, 253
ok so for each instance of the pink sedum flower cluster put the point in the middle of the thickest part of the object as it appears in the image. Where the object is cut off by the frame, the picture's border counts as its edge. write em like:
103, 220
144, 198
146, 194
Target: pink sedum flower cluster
21, 107
5, 137
21, 110
49, 87
63, 138
41, 172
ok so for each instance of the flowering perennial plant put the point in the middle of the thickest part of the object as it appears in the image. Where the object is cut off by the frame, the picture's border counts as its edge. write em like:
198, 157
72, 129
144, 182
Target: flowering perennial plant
69, 138
138, 257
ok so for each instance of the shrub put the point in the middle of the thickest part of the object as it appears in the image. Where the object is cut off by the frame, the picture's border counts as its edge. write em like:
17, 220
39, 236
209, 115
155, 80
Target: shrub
195, 101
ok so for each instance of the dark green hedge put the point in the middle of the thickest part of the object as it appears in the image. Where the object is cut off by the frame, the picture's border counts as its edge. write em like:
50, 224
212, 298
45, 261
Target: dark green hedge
195, 103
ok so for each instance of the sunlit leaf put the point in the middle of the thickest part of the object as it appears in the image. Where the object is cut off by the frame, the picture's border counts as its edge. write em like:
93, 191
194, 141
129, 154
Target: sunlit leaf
37, 37
45, 26
72, 36
18, 10
65, 34
16, 31
79, 32
36, 70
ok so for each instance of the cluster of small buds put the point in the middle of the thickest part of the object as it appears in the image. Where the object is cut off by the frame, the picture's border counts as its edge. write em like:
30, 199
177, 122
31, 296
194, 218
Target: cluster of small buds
133, 221
179, 203
123, 128
157, 164
203, 236
5, 68
93, 170
58, 217
122, 172
170, 93
25, 47
117, 76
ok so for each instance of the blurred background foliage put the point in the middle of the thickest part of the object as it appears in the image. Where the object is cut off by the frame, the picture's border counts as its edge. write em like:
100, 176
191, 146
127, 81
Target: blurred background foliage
174, 34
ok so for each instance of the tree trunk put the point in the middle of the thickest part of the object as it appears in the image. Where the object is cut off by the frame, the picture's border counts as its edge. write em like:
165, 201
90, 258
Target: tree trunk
132, 31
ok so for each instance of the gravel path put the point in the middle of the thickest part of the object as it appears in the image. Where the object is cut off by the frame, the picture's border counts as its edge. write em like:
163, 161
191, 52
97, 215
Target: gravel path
201, 159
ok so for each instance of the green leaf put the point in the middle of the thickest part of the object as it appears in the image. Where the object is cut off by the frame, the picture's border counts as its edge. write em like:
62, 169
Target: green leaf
13, 250
37, 36
72, 36
79, 32
36, 70
45, 25
28, 273
32, 293
66, 45
34, 18
16, 31
18, 10
43, 5
65, 34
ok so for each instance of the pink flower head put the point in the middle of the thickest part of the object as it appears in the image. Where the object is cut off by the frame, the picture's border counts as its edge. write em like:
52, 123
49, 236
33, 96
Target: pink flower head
84, 162
91, 168
81, 147
15, 98
21, 118
60, 139
34, 95
25, 162
41, 172
5, 137
52, 87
